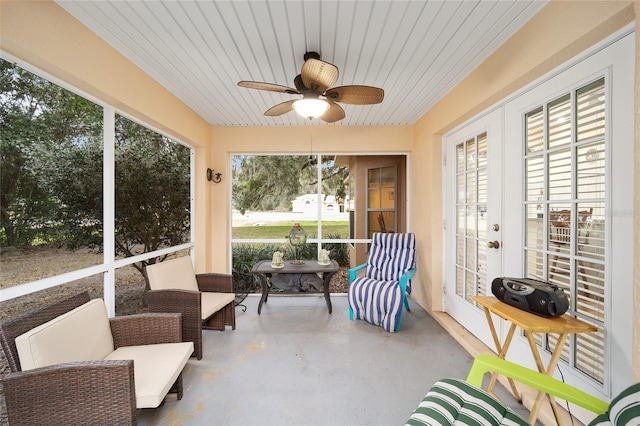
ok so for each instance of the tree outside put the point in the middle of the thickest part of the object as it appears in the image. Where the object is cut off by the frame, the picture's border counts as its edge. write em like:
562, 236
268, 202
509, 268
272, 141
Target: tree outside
51, 176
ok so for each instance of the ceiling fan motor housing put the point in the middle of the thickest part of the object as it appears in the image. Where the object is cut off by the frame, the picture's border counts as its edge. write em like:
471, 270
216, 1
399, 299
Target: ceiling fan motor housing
311, 55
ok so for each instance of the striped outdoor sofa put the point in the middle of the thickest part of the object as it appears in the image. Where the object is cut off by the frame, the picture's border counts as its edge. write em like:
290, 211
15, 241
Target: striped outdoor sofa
456, 402
462, 402
378, 297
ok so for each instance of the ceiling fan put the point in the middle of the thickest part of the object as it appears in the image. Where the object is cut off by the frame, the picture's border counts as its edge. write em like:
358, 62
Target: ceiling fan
318, 99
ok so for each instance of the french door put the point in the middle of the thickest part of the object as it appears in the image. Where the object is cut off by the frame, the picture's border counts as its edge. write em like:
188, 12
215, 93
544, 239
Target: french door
474, 216
568, 189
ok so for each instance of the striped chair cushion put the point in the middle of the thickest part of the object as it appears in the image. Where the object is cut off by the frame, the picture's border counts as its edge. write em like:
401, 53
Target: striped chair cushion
455, 402
624, 409
378, 302
377, 297
391, 255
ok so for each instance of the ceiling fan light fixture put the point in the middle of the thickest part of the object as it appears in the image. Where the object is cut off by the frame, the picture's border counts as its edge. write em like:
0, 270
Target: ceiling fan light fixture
310, 108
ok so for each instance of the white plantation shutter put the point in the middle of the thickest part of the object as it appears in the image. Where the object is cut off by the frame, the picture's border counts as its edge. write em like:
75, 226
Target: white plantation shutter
565, 212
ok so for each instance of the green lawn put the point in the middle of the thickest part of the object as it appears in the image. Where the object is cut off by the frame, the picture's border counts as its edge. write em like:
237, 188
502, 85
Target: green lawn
281, 230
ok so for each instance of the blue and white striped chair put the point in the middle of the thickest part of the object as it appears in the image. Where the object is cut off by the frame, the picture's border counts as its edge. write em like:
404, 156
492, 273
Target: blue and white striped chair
378, 297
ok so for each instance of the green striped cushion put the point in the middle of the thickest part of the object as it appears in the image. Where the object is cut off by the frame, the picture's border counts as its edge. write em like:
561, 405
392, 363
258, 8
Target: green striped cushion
624, 410
455, 402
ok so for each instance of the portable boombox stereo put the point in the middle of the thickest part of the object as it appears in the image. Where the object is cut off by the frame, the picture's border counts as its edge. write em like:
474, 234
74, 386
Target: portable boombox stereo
531, 295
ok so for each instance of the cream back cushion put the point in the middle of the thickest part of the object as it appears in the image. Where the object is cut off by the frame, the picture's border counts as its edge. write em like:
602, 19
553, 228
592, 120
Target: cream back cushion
82, 334
172, 274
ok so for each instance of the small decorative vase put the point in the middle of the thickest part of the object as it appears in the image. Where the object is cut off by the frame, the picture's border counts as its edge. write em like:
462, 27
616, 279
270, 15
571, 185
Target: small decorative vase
297, 239
297, 235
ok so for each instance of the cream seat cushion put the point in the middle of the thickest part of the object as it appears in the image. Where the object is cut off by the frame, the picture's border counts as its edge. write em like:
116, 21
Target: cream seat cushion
174, 274
155, 368
213, 302
82, 334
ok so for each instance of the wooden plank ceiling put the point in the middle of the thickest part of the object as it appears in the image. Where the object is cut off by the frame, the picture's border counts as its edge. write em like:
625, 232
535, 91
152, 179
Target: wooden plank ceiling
199, 50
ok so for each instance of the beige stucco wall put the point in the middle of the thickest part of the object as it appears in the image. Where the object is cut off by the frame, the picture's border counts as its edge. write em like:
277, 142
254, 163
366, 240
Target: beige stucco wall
41, 34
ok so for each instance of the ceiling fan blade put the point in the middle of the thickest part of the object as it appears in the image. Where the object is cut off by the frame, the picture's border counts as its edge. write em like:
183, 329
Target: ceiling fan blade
280, 109
319, 75
268, 86
333, 114
356, 95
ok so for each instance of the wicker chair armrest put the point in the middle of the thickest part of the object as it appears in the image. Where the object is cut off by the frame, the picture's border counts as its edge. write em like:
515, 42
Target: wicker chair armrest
146, 329
79, 393
213, 282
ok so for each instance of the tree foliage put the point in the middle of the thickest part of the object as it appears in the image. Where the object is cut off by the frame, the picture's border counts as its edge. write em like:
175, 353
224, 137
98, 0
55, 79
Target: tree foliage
152, 190
271, 182
51, 172
44, 131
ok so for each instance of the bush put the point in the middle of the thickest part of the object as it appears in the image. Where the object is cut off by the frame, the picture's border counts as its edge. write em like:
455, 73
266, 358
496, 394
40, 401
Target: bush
338, 251
244, 256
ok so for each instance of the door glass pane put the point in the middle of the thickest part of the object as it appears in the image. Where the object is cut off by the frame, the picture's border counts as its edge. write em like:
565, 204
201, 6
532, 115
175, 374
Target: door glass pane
374, 189
591, 169
482, 150
534, 227
560, 175
534, 130
381, 185
460, 280
534, 264
461, 188
471, 216
535, 178
460, 157
589, 354
559, 122
380, 221
471, 154
471, 187
461, 219
590, 114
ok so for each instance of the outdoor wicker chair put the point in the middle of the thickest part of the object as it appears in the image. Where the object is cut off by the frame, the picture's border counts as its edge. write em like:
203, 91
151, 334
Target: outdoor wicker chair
82, 392
204, 300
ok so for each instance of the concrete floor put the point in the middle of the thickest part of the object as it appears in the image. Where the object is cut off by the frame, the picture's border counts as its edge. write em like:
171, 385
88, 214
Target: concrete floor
298, 365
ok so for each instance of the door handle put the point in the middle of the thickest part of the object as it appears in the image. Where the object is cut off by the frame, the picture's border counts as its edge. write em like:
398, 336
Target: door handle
493, 244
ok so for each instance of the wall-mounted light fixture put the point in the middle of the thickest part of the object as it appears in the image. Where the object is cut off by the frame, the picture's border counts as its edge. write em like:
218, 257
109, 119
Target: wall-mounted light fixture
213, 176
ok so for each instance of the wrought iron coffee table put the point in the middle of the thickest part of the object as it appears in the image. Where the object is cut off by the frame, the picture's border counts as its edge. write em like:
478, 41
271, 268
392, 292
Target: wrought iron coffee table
265, 271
